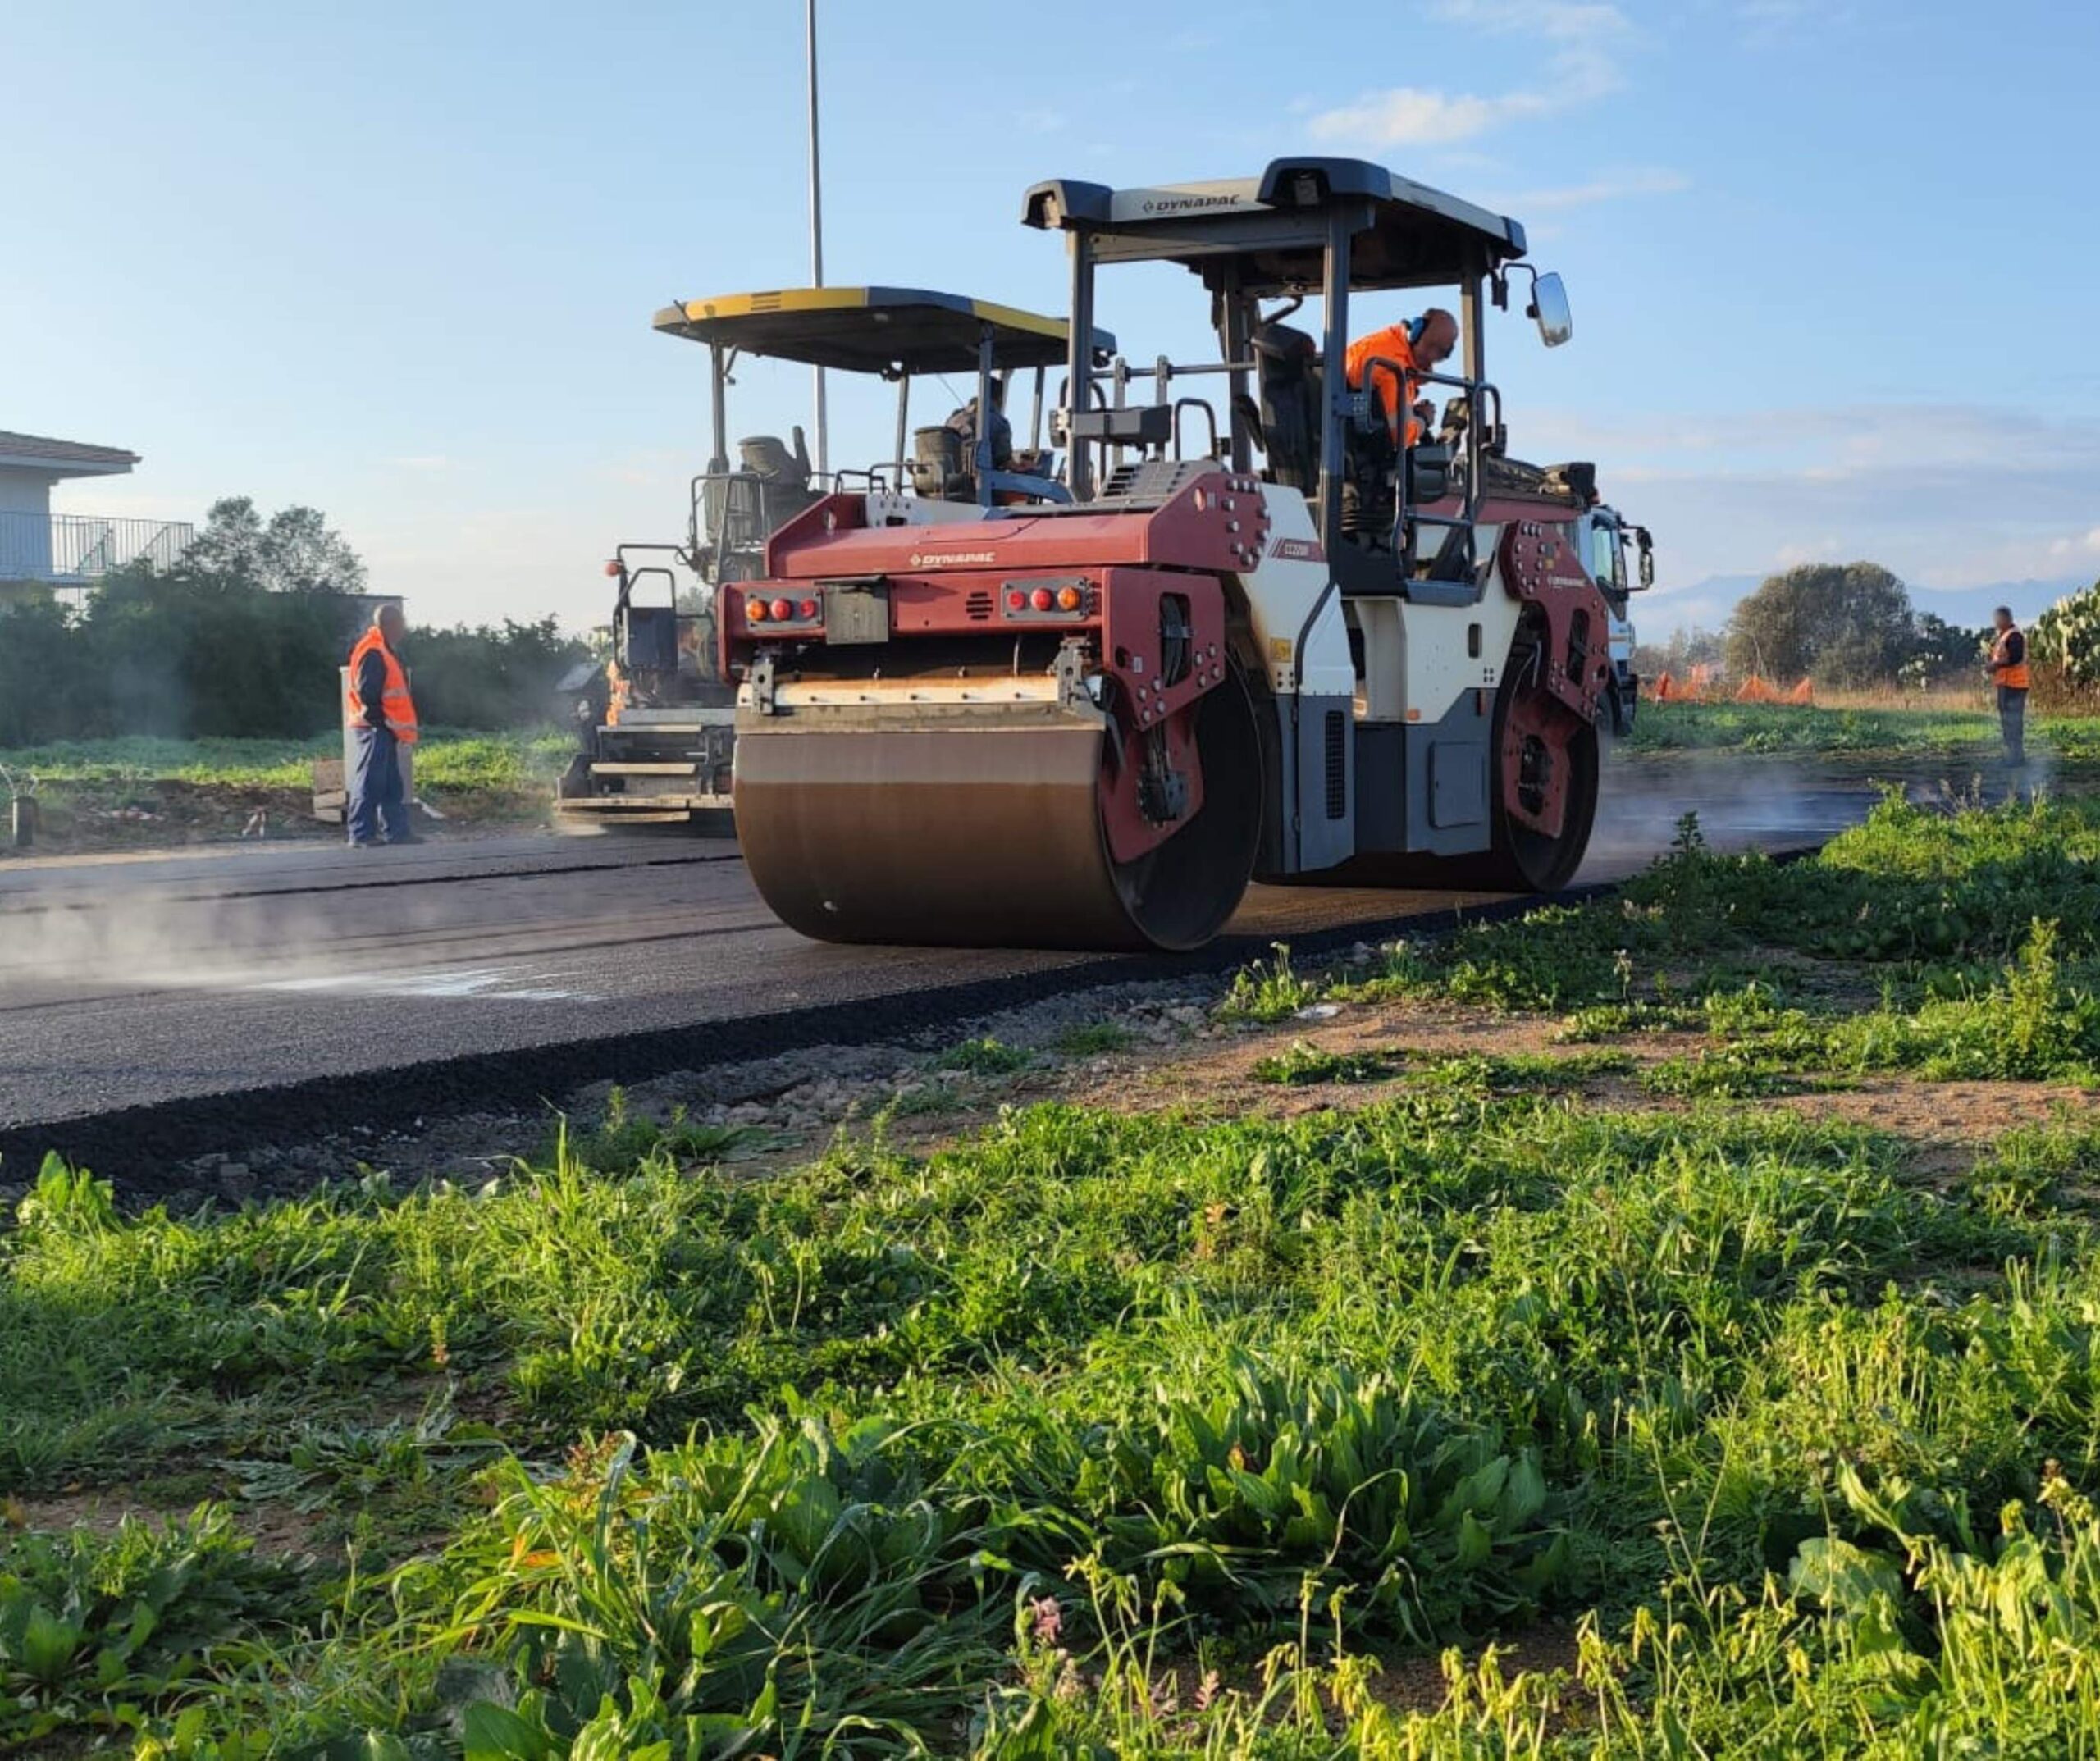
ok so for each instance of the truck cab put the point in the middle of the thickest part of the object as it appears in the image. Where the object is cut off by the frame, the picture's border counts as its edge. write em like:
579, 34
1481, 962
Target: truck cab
1607, 537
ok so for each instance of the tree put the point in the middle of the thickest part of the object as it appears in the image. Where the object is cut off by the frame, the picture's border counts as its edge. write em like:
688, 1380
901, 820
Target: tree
1685, 649
1843, 623
293, 553
1943, 653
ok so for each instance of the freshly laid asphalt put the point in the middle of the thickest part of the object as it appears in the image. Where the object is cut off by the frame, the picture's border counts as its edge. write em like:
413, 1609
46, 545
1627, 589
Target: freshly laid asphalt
147, 1004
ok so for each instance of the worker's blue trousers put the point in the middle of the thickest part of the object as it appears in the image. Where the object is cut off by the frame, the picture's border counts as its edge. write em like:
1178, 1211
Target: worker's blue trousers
376, 800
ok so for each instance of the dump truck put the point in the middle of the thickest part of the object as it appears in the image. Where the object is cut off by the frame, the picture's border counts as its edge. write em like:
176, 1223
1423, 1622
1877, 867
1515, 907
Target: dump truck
656, 723
1293, 653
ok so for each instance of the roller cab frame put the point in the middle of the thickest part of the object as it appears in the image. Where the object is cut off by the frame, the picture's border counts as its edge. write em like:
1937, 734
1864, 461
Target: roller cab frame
657, 725
1286, 651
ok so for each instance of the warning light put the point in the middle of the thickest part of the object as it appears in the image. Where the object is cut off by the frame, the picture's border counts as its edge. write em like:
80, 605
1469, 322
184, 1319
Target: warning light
1042, 599
755, 610
781, 611
1016, 601
613, 567
1068, 598
807, 609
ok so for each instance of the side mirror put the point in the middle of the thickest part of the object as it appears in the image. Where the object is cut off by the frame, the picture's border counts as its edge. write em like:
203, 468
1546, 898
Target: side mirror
1550, 307
1647, 559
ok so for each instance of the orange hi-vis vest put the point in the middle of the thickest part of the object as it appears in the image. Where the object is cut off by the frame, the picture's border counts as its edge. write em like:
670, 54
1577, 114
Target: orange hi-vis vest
1391, 343
395, 704
2012, 677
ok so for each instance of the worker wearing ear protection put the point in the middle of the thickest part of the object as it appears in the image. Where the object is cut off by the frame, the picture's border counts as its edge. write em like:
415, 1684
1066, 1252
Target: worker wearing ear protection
1421, 344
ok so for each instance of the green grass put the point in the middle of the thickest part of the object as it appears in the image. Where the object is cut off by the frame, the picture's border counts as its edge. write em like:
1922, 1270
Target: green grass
1304, 1064
1092, 1039
986, 1056
1957, 945
445, 759
1923, 734
833, 1441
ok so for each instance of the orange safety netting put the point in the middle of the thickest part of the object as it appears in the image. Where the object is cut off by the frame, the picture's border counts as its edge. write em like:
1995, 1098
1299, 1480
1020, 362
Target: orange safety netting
1691, 688
1697, 685
1758, 689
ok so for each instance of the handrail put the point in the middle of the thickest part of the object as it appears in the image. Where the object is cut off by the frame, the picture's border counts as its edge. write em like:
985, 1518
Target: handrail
1210, 416
1403, 521
76, 548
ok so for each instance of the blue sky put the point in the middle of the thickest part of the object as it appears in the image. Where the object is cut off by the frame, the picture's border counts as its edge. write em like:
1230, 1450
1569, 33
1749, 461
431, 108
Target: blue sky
1831, 264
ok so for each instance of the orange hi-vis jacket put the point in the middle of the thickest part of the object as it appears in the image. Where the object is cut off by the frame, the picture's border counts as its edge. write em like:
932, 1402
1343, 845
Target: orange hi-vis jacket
1391, 343
2013, 676
395, 704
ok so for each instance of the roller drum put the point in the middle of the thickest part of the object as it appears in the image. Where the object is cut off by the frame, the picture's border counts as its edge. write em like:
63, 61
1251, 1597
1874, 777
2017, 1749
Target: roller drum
981, 827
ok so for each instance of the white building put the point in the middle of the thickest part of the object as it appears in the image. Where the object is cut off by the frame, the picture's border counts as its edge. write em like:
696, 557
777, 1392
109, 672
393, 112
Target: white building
40, 550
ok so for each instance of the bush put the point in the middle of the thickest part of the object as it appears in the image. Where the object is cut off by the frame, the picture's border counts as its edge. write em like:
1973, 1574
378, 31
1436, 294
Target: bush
187, 655
490, 676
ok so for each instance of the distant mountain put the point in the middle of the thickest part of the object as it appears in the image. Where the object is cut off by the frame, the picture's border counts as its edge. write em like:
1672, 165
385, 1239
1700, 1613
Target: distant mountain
1971, 607
1696, 605
1705, 605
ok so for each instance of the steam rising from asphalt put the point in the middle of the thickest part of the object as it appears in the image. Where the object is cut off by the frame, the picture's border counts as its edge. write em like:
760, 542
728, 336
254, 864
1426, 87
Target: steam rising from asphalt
1741, 804
1775, 804
109, 927
99, 929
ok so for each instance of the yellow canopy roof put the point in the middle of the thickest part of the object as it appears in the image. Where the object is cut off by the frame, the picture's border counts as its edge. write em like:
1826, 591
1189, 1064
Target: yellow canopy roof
875, 329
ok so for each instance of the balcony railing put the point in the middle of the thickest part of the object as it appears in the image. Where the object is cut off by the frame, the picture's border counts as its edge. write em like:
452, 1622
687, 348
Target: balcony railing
71, 550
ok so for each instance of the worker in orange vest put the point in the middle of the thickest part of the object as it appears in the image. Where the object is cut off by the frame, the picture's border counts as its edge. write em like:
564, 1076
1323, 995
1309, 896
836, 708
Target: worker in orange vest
381, 718
2008, 671
1421, 345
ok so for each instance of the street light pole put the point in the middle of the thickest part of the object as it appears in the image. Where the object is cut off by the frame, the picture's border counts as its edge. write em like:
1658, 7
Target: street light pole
816, 227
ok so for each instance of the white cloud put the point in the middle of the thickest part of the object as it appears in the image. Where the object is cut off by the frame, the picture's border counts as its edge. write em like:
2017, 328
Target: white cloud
1775, 24
2073, 550
1562, 20
1414, 117
1653, 182
1581, 70
1827, 548
426, 462
1953, 499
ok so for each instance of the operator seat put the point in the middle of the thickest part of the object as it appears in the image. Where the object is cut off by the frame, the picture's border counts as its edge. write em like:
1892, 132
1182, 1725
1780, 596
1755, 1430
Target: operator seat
1288, 361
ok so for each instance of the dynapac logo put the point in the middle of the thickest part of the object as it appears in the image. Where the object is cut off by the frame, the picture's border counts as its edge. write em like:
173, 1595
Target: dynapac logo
1187, 204
939, 558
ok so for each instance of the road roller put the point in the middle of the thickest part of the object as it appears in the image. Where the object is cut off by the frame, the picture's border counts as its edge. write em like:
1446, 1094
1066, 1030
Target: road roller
656, 723
1264, 639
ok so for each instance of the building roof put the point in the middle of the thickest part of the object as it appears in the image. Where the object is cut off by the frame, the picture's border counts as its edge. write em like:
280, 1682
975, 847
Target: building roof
39, 452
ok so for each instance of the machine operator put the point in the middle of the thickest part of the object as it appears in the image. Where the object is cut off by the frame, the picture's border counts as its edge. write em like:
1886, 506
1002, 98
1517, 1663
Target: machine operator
1419, 345
964, 422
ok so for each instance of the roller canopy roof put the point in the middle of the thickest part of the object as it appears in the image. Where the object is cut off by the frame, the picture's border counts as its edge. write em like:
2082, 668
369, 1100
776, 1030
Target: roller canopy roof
875, 329
1274, 226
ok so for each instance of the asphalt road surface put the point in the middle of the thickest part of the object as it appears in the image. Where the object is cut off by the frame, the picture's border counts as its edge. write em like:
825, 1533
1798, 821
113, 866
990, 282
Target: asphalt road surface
130, 986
